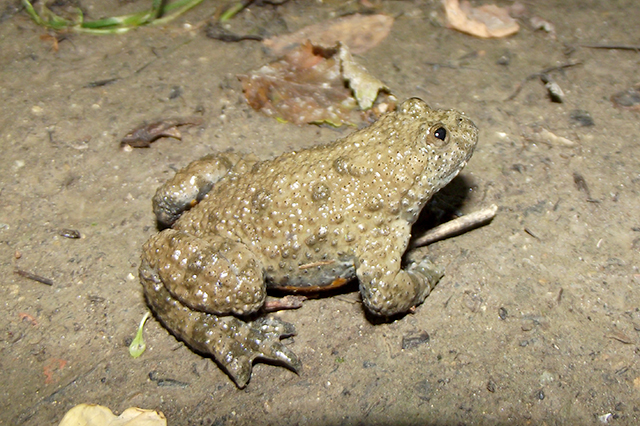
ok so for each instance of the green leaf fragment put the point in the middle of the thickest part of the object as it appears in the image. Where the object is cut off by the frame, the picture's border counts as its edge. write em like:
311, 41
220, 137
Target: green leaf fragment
137, 346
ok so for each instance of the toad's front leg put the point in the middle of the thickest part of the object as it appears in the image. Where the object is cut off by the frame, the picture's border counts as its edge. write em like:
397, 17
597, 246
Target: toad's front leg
194, 284
388, 289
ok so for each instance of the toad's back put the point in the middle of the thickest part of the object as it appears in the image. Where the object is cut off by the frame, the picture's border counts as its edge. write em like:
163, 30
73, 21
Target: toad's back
307, 214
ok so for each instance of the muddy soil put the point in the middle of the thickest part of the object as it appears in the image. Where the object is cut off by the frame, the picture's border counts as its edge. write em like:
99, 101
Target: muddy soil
535, 322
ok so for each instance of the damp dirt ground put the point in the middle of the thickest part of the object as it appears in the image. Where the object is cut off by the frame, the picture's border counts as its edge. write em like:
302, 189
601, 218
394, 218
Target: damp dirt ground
537, 320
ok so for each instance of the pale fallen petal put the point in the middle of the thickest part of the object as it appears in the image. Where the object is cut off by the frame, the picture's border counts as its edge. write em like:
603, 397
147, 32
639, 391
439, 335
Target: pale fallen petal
488, 21
359, 32
97, 415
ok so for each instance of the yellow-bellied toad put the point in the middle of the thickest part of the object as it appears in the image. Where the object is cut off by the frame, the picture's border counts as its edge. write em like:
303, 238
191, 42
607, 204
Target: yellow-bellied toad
305, 220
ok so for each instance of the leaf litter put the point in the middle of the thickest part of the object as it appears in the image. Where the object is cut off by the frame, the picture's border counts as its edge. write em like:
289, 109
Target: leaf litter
317, 80
314, 84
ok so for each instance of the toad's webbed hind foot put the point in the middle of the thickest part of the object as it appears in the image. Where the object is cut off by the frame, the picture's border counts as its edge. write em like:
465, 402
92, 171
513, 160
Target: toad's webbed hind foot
233, 343
259, 339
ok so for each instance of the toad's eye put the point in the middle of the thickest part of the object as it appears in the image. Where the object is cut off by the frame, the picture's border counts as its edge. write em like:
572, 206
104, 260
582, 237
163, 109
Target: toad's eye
437, 135
440, 133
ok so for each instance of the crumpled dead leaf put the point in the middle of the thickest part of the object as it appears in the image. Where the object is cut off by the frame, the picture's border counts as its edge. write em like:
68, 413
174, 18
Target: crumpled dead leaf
358, 32
144, 135
487, 21
628, 99
97, 415
315, 85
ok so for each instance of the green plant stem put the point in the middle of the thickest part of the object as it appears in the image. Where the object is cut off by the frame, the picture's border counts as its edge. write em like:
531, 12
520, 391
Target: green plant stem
157, 15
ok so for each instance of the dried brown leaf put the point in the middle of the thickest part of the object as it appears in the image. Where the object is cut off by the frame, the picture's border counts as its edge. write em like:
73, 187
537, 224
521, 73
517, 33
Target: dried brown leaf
488, 21
142, 136
628, 99
309, 85
359, 32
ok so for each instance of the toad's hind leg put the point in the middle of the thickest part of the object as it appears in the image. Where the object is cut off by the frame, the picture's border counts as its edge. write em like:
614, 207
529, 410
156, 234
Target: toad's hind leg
213, 274
190, 185
233, 343
191, 283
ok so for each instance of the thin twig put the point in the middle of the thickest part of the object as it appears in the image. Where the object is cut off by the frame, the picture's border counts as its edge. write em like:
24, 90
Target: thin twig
456, 226
290, 301
32, 276
540, 74
611, 46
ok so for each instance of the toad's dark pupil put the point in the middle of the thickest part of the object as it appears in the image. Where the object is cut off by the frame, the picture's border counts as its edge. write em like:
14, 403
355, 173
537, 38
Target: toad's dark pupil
440, 133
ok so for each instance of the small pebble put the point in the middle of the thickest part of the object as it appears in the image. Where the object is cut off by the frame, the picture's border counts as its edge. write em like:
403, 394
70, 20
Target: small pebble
502, 313
416, 339
580, 117
527, 325
70, 233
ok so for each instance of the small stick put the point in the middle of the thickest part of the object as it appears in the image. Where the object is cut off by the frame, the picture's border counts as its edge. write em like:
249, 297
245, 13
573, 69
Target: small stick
101, 83
32, 276
217, 32
290, 301
456, 226
611, 46
540, 74
530, 232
